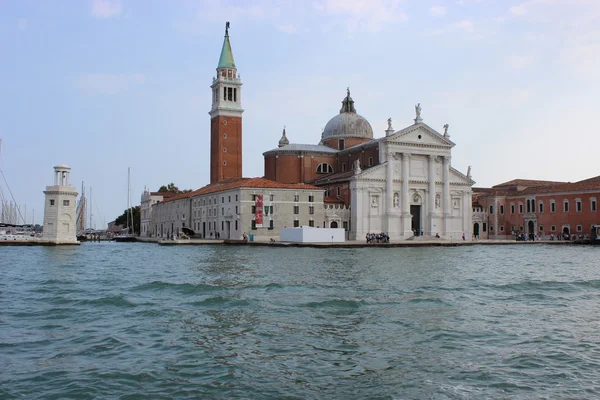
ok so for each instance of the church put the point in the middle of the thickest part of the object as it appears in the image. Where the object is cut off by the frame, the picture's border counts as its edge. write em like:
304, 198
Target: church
402, 183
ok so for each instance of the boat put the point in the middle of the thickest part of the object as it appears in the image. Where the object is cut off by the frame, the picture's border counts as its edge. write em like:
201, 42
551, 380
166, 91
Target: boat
127, 235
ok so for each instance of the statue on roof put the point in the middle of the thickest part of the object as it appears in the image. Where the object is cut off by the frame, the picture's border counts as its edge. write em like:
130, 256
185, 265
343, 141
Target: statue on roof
446, 126
418, 110
469, 172
348, 91
227, 28
390, 124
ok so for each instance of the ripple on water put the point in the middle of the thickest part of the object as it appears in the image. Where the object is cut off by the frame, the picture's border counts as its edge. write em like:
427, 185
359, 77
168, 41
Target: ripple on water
135, 320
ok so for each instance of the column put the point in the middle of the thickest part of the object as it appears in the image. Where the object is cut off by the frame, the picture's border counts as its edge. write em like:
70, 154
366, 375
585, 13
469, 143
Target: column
389, 188
406, 217
431, 190
446, 200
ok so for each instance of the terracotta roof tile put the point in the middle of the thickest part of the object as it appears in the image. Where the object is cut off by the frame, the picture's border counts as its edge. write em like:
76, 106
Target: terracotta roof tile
258, 183
332, 200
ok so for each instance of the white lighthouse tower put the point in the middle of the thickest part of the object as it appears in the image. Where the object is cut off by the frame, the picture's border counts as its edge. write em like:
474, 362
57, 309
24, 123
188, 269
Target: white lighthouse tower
60, 209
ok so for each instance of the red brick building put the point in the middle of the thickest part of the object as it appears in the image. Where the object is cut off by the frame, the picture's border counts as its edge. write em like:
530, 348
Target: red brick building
541, 208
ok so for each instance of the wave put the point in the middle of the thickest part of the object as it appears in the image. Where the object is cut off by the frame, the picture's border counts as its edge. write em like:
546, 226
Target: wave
116, 301
185, 288
219, 301
337, 303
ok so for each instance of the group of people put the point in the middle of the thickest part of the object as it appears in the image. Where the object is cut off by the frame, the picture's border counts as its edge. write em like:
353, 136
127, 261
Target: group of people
378, 237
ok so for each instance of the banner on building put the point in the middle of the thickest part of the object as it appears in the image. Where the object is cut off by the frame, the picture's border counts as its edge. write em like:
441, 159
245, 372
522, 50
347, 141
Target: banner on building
258, 216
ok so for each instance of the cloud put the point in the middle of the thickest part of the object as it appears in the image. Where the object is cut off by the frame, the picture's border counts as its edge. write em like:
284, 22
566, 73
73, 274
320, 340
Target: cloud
437, 11
106, 8
101, 83
518, 62
465, 25
364, 15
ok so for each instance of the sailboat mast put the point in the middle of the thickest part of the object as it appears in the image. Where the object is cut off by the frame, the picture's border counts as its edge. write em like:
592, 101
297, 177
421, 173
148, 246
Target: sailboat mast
128, 197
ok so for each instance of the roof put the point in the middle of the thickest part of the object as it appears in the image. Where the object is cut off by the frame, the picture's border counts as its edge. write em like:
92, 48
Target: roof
236, 183
526, 183
534, 187
226, 59
335, 177
317, 148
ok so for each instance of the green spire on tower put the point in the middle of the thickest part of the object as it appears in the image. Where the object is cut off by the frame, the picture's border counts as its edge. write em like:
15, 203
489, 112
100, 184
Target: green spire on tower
226, 59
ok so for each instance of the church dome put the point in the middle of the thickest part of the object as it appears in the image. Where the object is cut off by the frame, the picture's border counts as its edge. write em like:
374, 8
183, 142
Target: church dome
348, 123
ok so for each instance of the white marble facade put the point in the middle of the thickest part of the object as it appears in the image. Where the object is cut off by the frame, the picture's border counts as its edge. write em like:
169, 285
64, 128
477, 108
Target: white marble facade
60, 208
413, 189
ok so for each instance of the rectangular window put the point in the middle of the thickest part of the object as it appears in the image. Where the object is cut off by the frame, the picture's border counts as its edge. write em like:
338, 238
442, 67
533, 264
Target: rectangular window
222, 225
236, 226
541, 228
229, 199
579, 228
520, 208
578, 205
311, 223
253, 197
51, 202
541, 206
566, 206
552, 206
296, 209
501, 209
346, 226
236, 197
236, 210
370, 161
553, 228
341, 144
311, 198
338, 191
311, 210
253, 209
271, 224
65, 203
224, 93
271, 197
234, 94
594, 205
222, 200
296, 224
501, 229
222, 211
230, 94
491, 228
512, 208
296, 197
491, 211
253, 224
484, 227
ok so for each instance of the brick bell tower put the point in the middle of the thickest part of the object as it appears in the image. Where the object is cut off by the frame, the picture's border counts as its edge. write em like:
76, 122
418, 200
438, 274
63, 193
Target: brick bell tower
226, 118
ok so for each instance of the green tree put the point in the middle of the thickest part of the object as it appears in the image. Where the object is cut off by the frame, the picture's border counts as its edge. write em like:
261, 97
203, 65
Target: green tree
171, 188
122, 219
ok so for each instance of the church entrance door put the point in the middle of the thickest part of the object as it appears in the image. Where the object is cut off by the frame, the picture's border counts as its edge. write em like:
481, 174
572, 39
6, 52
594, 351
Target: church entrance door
415, 210
476, 229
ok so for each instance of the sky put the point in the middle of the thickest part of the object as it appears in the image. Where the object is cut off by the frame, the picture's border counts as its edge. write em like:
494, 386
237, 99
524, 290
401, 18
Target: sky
103, 85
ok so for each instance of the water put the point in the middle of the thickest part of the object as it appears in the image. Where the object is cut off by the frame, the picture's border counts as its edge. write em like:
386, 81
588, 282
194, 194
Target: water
120, 320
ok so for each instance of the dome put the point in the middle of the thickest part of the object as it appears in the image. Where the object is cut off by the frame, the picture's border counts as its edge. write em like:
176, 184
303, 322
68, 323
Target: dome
347, 123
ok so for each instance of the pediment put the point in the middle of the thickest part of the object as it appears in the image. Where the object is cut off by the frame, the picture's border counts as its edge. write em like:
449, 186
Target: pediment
459, 178
376, 172
420, 135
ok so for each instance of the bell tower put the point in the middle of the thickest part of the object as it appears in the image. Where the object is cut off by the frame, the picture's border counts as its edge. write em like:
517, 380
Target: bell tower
226, 118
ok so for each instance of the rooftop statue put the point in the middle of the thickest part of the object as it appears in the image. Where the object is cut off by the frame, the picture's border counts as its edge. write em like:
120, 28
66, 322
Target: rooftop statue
418, 110
390, 124
446, 129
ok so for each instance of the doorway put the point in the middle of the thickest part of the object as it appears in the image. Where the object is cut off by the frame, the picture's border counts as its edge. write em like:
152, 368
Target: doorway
204, 230
531, 227
228, 229
334, 224
415, 211
476, 229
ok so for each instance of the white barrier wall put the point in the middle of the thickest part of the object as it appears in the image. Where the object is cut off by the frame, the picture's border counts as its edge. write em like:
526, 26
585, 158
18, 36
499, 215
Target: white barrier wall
307, 234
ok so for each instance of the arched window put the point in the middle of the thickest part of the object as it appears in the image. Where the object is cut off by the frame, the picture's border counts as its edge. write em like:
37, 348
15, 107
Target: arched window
324, 168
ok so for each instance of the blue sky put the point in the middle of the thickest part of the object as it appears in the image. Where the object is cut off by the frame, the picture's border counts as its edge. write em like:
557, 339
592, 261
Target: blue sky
102, 85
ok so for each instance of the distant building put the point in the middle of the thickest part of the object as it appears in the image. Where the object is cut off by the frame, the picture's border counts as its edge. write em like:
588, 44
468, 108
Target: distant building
539, 208
147, 201
230, 208
60, 208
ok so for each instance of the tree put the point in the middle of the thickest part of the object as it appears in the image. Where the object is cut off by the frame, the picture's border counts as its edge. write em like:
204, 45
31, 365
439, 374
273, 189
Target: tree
171, 188
122, 219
